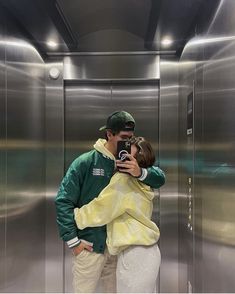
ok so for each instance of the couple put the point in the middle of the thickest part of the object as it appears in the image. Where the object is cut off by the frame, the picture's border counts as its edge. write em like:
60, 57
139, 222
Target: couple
124, 204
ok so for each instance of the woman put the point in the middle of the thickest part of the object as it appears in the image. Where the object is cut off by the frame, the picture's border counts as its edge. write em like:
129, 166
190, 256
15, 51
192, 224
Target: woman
125, 205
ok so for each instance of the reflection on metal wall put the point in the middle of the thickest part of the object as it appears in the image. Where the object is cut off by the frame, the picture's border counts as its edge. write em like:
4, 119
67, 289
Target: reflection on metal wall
54, 173
209, 61
112, 66
86, 108
2, 158
168, 145
22, 176
186, 78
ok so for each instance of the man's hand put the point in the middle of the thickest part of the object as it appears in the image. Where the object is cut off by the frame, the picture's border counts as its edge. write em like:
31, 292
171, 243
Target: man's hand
129, 166
82, 246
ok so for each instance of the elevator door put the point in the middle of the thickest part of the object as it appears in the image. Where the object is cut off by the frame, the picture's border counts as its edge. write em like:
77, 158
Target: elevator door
87, 106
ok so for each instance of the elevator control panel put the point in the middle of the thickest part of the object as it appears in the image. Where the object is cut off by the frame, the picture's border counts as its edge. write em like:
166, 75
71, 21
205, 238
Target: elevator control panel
190, 114
190, 157
190, 226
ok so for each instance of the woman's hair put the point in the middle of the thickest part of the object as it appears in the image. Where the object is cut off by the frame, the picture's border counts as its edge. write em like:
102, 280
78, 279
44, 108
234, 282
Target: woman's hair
145, 155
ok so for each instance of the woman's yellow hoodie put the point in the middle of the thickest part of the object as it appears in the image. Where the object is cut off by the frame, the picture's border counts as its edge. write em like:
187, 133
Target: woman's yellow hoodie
125, 205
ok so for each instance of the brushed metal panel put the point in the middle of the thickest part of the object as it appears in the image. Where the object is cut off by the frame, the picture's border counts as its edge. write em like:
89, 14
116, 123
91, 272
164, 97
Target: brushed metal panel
141, 100
217, 177
2, 157
212, 58
54, 258
86, 109
168, 145
111, 67
185, 172
25, 166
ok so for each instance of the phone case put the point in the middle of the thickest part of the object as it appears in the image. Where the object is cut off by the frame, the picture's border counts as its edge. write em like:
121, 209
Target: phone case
123, 148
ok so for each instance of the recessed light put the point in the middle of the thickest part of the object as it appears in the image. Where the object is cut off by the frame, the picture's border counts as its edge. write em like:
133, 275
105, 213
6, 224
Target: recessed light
52, 44
166, 41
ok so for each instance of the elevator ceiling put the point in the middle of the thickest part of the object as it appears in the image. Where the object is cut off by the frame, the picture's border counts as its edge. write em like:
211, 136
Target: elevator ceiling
108, 25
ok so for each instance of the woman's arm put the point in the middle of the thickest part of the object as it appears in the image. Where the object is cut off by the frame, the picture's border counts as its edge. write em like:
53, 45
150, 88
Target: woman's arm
111, 203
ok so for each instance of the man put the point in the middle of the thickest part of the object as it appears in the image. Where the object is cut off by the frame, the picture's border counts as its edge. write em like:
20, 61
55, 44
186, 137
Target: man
85, 179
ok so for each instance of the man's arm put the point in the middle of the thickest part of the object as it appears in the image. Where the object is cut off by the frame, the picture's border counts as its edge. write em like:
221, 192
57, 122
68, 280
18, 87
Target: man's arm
152, 176
65, 201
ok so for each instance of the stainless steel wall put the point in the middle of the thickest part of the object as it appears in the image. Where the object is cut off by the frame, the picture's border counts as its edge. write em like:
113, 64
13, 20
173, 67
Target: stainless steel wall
207, 204
168, 157
22, 162
54, 117
112, 66
2, 157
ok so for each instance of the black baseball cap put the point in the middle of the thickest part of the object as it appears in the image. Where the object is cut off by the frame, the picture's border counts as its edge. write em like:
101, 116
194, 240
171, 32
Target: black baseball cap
119, 121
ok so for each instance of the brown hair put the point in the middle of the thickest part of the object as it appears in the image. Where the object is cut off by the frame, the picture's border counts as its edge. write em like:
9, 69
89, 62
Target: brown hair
145, 155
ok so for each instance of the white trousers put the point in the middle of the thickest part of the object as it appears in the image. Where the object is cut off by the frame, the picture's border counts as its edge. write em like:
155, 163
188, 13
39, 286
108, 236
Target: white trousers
92, 269
137, 269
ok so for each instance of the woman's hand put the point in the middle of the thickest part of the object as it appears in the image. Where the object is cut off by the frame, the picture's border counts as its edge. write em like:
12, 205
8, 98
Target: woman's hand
129, 166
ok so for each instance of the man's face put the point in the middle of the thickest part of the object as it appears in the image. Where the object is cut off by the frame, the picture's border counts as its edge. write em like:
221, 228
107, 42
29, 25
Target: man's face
123, 135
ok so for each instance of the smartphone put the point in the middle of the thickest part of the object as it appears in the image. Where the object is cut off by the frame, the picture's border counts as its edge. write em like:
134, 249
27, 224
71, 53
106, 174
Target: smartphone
123, 148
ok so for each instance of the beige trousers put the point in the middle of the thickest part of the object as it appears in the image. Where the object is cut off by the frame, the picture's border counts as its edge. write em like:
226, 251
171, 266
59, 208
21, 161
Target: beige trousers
90, 268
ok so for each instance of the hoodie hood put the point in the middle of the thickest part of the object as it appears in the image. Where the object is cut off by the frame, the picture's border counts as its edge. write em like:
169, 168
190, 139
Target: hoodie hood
100, 146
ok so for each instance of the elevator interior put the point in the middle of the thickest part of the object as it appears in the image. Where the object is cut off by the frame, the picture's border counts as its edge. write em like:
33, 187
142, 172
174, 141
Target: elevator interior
64, 66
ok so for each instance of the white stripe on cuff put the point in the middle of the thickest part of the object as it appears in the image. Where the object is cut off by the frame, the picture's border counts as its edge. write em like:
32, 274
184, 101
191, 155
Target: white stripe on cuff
143, 174
73, 242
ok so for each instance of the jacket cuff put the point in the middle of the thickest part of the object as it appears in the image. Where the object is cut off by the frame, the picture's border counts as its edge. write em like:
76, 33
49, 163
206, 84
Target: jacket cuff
73, 242
143, 175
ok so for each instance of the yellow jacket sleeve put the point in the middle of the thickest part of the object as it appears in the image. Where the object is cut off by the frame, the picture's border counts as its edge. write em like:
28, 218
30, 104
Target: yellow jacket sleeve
111, 203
